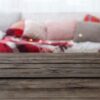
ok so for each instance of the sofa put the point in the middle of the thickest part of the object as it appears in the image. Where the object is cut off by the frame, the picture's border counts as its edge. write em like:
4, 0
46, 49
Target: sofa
80, 31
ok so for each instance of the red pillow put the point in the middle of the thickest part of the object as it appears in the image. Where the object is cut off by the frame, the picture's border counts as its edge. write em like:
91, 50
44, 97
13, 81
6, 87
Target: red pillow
14, 32
91, 18
27, 28
16, 29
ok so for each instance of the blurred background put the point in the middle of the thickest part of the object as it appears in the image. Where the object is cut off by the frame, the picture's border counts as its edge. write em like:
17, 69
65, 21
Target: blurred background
50, 5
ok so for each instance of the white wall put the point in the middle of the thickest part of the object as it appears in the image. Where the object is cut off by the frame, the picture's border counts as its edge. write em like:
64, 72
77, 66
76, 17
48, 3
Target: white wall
50, 5
60, 5
9, 5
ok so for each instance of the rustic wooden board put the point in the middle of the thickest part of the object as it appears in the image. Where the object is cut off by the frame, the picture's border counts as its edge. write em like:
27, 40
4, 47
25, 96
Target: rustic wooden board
49, 65
46, 55
49, 58
50, 76
49, 70
49, 84
50, 89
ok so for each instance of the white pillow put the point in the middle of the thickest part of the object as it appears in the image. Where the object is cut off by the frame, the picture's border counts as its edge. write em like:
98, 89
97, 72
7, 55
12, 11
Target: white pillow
34, 30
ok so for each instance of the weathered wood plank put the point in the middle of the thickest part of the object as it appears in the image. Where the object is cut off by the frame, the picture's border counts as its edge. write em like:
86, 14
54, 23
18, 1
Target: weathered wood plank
46, 55
50, 89
49, 70
65, 73
47, 94
49, 61
11, 84
50, 58
50, 98
67, 94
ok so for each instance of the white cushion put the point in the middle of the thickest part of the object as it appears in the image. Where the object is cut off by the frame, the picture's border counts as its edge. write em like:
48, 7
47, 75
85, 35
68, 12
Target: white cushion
34, 30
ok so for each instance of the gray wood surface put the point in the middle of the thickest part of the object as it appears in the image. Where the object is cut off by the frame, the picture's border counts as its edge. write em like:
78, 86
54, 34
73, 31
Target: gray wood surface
48, 89
49, 70
50, 58
49, 65
50, 76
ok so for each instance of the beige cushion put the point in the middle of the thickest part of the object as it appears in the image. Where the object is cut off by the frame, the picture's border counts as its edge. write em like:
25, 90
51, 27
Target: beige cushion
60, 30
87, 31
34, 30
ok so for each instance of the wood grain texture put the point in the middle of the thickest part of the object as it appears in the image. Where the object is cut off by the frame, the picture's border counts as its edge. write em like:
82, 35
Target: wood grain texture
49, 58
49, 84
49, 65
48, 89
49, 70
50, 76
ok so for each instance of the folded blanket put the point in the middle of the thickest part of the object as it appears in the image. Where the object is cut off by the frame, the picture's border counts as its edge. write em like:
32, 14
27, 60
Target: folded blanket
11, 44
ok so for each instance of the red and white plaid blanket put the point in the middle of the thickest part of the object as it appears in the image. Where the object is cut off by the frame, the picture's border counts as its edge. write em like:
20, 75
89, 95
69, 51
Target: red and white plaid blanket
11, 44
